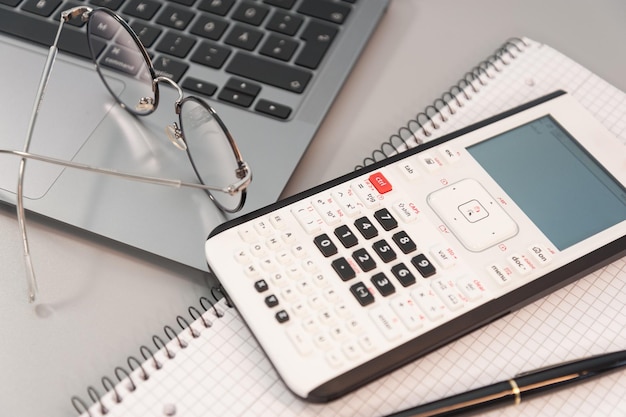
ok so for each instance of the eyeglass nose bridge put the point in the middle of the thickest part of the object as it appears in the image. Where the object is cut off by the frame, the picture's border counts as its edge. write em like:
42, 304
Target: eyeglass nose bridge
173, 131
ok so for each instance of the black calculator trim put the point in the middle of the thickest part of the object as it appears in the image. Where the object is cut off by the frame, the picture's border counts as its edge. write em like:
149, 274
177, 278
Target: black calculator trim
459, 326
373, 167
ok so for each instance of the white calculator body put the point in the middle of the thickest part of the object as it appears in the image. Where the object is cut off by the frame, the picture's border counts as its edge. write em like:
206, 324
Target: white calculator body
354, 278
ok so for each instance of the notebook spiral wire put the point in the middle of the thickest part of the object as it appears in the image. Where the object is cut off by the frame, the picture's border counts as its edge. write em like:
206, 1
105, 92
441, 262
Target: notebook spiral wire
138, 370
423, 125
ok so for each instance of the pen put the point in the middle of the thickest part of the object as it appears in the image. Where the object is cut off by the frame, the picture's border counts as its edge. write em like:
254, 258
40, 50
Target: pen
523, 386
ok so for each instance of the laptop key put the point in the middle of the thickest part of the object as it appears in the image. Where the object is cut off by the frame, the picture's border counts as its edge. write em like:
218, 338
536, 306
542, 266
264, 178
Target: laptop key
175, 17
175, 44
147, 34
169, 67
11, 3
242, 86
143, 9
325, 9
244, 37
279, 47
285, 4
318, 37
220, 7
32, 28
41, 7
285, 23
109, 4
269, 72
253, 14
209, 27
235, 97
273, 109
199, 86
210, 54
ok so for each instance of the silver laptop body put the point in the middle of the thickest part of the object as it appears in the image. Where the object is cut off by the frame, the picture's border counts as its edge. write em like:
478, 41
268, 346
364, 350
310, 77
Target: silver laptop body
80, 121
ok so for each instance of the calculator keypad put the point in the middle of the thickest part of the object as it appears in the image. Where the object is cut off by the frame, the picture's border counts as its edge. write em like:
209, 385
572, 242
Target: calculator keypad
330, 267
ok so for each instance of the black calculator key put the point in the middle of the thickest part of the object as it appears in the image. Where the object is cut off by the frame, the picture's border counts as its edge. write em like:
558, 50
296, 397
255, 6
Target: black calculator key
385, 219
404, 242
271, 300
325, 245
366, 227
282, 316
423, 265
383, 285
346, 237
260, 285
403, 274
364, 260
384, 251
362, 294
343, 269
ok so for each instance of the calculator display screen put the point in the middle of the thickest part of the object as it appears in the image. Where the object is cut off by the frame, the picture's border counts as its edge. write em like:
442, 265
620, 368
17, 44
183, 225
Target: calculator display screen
559, 186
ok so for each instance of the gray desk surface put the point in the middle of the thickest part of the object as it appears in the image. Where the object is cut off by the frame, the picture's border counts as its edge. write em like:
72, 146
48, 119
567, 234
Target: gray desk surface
104, 300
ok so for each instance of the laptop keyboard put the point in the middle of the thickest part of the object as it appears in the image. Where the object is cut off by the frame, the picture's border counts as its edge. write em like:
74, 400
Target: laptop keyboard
278, 44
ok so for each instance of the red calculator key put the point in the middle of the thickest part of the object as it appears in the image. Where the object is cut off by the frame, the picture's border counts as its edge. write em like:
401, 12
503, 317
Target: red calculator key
379, 182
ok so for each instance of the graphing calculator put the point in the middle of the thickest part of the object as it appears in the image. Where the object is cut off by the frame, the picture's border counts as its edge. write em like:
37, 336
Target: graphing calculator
345, 282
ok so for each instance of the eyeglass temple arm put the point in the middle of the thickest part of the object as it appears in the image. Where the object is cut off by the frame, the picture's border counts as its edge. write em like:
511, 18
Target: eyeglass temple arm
43, 83
229, 189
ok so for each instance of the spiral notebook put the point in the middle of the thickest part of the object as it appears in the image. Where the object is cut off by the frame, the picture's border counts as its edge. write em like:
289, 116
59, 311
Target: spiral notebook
214, 367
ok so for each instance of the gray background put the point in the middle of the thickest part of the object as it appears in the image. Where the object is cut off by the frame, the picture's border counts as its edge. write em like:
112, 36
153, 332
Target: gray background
104, 299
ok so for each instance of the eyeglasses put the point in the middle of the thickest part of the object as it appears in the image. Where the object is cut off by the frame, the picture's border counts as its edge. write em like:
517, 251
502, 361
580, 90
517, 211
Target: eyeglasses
115, 48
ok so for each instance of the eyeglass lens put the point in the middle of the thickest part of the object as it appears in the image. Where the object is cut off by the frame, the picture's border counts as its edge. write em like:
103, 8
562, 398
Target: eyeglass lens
123, 54
209, 149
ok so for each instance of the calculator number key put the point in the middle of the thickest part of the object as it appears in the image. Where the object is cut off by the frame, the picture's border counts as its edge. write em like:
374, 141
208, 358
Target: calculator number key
366, 228
423, 265
404, 242
346, 237
386, 220
364, 260
384, 251
403, 274
325, 245
383, 285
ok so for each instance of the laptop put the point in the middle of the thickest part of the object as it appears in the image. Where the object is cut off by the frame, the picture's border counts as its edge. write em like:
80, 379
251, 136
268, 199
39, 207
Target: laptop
79, 121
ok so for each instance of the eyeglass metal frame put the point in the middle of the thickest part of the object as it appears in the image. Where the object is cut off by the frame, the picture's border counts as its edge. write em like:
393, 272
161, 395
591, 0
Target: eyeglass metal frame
175, 134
